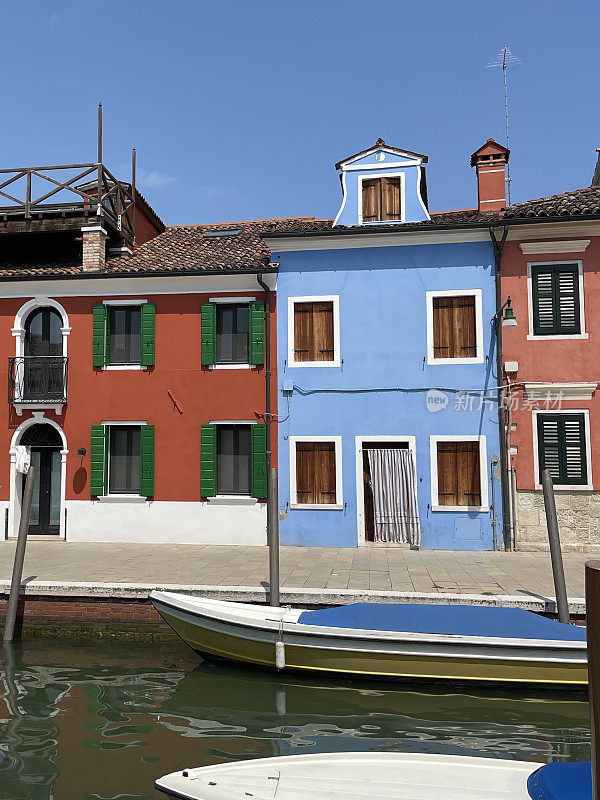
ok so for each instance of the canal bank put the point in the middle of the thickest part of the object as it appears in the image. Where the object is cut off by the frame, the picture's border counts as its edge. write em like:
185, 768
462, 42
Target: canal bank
101, 586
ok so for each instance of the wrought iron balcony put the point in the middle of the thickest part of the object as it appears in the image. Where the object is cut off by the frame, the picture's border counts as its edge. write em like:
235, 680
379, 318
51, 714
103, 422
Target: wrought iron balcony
37, 379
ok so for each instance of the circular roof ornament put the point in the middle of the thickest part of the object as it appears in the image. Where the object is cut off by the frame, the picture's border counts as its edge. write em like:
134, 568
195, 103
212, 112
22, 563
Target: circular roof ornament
380, 156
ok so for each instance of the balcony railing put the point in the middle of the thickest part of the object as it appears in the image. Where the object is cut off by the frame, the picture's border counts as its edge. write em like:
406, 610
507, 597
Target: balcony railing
37, 379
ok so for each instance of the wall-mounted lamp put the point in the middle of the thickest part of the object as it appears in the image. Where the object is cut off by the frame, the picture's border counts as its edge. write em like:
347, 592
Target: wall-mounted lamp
81, 451
506, 314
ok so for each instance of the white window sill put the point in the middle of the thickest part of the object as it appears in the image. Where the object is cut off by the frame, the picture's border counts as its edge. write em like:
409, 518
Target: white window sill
455, 361
121, 498
119, 367
466, 509
314, 364
232, 366
557, 337
24, 405
322, 506
567, 488
233, 500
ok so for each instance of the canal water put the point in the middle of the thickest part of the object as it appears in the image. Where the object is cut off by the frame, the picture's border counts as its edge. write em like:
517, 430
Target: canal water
104, 719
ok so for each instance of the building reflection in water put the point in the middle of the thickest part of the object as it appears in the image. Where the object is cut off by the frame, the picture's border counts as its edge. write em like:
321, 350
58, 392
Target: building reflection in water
103, 720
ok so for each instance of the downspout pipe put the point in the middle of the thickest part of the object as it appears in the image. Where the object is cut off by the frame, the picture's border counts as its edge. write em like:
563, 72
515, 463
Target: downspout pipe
504, 475
272, 492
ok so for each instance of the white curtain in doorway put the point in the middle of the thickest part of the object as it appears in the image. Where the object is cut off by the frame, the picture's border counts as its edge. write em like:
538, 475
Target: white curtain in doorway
393, 480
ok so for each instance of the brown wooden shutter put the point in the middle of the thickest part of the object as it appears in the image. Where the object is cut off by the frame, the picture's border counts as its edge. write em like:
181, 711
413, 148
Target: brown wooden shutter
459, 481
313, 331
323, 331
391, 199
465, 345
454, 332
468, 475
447, 484
315, 473
303, 331
443, 341
371, 200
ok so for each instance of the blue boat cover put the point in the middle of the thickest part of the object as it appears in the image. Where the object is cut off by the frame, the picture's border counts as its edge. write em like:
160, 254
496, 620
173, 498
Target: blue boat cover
561, 782
512, 623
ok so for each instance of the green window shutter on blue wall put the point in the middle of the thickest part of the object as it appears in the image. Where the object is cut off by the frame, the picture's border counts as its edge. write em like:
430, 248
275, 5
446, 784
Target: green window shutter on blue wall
147, 460
258, 462
148, 336
257, 333
98, 451
100, 335
208, 461
209, 333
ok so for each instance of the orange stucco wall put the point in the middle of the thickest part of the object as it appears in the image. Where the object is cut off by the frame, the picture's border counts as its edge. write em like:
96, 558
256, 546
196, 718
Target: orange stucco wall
95, 394
560, 360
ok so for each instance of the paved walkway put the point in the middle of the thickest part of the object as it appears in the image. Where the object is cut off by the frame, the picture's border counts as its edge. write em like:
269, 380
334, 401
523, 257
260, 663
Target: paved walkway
380, 569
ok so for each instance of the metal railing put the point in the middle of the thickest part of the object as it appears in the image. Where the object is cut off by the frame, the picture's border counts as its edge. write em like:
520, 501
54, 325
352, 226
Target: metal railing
41, 379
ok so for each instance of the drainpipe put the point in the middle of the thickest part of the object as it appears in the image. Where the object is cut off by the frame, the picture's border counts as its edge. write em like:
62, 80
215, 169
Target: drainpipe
504, 475
272, 499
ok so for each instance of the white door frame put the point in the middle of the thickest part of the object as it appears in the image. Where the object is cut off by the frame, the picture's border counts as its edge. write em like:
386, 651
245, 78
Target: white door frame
360, 496
14, 509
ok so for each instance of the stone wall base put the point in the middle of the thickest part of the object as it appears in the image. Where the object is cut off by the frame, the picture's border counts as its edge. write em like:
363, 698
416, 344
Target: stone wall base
578, 521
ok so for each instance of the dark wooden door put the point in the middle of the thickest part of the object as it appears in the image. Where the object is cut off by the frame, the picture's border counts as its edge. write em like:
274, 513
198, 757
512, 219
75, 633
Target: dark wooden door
45, 507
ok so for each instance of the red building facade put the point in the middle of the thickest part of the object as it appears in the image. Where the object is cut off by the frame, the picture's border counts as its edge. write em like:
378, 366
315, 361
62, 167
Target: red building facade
551, 271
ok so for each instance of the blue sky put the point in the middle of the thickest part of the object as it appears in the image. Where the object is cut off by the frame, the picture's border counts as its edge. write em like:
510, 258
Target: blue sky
239, 108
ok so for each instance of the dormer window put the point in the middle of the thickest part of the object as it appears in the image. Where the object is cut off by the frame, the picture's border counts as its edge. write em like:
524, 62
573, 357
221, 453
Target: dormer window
382, 199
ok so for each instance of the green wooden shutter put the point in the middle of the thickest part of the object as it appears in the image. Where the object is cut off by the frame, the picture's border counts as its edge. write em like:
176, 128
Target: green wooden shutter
258, 460
100, 338
147, 460
147, 334
257, 332
209, 333
555, 295
98, 453
208, 461
562, 448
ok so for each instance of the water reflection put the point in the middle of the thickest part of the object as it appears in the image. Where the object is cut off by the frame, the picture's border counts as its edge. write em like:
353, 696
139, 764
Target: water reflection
103, 720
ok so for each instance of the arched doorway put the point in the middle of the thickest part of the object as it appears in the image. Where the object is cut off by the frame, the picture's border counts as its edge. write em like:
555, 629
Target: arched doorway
43, 350
46, 445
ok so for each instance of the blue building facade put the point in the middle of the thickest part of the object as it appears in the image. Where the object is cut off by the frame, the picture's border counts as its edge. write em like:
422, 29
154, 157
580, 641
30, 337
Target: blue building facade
385, 342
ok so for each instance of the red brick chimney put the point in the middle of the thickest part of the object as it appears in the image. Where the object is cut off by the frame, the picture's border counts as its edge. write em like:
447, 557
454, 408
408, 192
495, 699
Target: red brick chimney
490, 161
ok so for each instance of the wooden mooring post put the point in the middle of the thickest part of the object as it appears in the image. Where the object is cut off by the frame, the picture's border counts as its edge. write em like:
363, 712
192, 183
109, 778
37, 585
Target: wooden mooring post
15, 584
592, 608
558, 572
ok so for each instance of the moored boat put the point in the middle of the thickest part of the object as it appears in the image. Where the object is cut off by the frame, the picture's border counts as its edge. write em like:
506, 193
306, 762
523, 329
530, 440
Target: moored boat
435, 642
402, 776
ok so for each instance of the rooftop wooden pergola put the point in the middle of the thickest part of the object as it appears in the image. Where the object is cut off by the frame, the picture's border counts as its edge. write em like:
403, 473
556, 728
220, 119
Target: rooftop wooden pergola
58, 197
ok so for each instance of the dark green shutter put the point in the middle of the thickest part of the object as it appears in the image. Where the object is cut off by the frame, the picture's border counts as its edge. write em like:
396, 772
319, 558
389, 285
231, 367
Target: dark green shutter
555, 295
100, 354
209, 333
208, 461
98, 452
257, 332
562, 448
147, 334
258, 460
147, 460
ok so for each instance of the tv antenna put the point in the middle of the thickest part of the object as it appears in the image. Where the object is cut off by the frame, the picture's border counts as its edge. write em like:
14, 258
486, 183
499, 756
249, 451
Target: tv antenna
503, 60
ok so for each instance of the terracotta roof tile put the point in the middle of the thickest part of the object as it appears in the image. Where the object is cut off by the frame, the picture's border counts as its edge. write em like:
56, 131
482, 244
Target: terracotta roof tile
580, 202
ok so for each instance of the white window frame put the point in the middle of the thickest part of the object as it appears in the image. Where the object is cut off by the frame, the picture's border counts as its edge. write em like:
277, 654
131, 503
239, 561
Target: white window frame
477, 294
360, 442
483, 471
234, 499
402, 176
339, 498
314, 298
588, 448
531, 336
